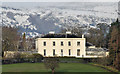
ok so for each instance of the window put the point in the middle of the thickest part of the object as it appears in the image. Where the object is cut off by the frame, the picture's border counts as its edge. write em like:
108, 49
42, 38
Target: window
53, 43
69, 52
61, 43
69, 43
53, 52
78, 52
78, 43
44, 43
61, 52
44, 52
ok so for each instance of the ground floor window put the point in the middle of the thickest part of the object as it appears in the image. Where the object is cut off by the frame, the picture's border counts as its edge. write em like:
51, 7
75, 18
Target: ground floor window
61, 52
44, 52
53, 52
69, 52
78, 52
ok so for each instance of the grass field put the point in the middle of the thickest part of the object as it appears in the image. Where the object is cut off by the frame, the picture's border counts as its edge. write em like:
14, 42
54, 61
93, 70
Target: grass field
63, 67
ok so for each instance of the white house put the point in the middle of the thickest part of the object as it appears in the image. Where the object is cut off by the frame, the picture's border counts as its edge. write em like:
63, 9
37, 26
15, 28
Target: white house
62, 45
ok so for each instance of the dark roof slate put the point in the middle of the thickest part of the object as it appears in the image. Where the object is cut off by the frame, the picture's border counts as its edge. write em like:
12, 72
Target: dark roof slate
60, 36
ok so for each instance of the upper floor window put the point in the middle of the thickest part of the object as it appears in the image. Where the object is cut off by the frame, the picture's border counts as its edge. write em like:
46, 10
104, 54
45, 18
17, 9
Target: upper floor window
78, 43
44, 43
69, 43
62, 43
53, 43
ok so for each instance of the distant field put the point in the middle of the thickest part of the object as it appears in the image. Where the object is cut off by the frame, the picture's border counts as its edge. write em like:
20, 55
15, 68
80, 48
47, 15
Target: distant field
63, 67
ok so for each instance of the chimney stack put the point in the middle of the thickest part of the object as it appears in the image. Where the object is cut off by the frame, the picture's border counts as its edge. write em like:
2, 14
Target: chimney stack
83, 36
51, 32
68, 32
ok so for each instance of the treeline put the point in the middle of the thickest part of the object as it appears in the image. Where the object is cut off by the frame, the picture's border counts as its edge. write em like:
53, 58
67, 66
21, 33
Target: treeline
97, 36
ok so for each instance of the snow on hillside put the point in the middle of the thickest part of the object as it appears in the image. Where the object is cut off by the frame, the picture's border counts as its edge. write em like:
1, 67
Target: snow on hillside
40, 20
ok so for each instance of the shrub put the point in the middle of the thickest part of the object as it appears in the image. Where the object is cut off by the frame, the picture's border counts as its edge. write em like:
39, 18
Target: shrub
103, 61
23, 57
37, 57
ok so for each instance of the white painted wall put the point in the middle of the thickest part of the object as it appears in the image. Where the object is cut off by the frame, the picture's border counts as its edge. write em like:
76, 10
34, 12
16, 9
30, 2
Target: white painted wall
49, 46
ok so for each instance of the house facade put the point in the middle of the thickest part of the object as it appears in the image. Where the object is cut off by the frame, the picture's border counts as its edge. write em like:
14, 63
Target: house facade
61, 45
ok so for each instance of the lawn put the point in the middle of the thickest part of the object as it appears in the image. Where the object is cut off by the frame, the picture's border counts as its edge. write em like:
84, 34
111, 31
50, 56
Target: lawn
63, 67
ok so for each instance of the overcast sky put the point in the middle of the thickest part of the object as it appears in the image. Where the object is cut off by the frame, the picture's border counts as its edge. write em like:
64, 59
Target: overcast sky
59, 0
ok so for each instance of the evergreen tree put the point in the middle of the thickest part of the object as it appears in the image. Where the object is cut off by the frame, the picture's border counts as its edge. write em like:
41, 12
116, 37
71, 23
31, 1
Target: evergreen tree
24, 42
114, 44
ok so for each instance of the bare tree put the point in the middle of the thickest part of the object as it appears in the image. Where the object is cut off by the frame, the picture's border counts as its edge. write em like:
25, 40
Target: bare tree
10, 39
28, 44
51, 63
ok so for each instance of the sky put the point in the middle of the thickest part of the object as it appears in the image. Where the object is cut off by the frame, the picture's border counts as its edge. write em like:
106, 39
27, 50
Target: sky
73, 4
59, 0
17, 4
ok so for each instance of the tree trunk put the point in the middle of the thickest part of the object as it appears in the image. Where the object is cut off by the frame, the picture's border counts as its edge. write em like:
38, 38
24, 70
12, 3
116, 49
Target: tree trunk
53, 71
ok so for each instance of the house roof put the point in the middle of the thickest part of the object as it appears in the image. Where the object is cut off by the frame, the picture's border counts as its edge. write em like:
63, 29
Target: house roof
60, 36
